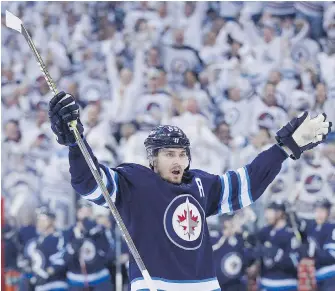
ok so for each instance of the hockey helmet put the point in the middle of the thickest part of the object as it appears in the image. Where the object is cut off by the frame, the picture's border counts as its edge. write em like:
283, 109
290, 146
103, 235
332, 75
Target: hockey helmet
166, 136
84, 203
45, 210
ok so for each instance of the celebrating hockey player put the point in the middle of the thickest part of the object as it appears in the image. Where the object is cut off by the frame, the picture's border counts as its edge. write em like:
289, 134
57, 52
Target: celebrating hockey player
46, 253
278, 251
231, 256
321, 246
87, 248
165, 205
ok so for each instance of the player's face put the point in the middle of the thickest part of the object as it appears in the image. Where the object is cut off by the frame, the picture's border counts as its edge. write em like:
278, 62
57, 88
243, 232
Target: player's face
321, 215
84, 212
228, 228
43, 223
104, 221
270, 216
171, 163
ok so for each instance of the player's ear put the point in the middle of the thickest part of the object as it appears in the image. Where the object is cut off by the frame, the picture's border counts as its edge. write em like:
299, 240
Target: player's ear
153, 163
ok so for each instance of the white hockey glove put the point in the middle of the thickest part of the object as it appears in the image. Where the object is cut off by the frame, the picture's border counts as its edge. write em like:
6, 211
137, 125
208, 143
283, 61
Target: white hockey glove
303, 133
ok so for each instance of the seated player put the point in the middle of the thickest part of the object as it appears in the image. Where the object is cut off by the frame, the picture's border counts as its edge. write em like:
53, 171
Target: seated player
86, 252
278, 251
165, 205
321, 246
46, 253
231, 255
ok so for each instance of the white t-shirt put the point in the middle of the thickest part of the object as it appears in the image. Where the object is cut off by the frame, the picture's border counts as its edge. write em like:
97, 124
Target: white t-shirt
236, 115
315, 183
262, 115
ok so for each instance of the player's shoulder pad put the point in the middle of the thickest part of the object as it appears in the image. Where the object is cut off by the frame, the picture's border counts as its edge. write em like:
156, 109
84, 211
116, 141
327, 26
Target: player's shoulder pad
208, 180
328, 227
97, 229
68, 232
134, 174
132, 168
263, 232
201, 174
290, 231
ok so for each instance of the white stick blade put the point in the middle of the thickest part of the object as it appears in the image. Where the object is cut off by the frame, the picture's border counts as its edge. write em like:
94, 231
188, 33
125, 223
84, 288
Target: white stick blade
13, 22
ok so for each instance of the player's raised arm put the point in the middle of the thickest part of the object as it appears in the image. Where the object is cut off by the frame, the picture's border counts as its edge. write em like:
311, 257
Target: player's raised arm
62, 110
242, 187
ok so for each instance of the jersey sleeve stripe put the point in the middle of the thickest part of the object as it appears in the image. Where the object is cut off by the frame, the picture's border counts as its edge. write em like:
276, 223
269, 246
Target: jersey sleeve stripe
248, 183
239, 189
222, 194
244, 188
230, 192
113, 177
225, 203
96, 192
329, 246
96, 196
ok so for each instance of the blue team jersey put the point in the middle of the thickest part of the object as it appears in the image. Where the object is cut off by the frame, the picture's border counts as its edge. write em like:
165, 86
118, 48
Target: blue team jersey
280, 260
168, 221
88, 265
322, 238
231, 258
47, 252
10, 242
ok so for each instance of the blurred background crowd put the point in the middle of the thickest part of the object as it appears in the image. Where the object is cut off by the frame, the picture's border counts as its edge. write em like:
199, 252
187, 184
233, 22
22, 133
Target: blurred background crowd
230, 74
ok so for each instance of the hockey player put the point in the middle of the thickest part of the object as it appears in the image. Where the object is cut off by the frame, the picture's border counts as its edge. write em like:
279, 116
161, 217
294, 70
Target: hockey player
46, 252
26, 236
165, 206
321, 246
10, 249
231, 256
87, 247
278, 251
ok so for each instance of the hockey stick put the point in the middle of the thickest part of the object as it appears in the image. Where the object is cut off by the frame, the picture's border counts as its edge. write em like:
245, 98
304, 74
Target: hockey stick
15, 23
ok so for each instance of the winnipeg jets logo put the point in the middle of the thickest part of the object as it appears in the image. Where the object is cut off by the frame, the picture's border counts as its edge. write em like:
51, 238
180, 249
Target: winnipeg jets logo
313, 183
87, 251
187, 221
231, 264
183, 222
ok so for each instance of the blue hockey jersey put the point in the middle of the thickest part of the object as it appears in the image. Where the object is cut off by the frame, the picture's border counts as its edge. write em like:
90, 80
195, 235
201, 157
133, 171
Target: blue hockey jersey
47, 251
11, 247
168, 221
279, 258
322, 238
231, 258
26, 236
86, 264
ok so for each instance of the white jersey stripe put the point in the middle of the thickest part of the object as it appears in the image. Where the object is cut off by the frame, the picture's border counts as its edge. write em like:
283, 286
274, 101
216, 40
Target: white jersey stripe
245, 194
162, 284
225, 207
112, 177
96, 194
270, 283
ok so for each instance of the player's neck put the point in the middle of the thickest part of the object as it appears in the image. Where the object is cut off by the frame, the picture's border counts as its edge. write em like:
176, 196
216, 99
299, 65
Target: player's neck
48, 231
280, 224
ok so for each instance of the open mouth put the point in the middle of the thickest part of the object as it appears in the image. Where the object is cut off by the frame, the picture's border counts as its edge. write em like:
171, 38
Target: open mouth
176, 172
